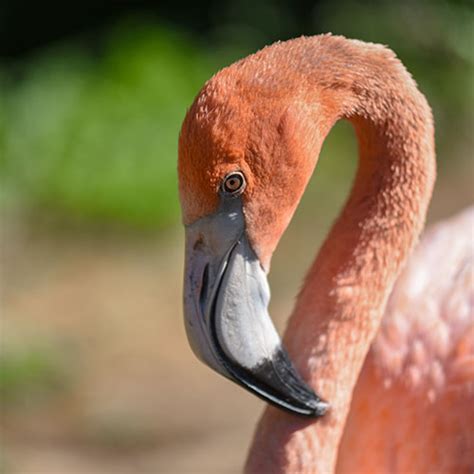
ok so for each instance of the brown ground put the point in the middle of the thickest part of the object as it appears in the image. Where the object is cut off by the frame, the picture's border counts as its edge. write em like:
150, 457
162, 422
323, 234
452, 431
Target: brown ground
137, 401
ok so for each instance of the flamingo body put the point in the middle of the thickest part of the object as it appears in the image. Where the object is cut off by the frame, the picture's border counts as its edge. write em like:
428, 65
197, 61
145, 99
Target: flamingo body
413, 405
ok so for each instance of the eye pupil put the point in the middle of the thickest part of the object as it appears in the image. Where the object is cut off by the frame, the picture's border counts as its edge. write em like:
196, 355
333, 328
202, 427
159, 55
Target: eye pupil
233, 183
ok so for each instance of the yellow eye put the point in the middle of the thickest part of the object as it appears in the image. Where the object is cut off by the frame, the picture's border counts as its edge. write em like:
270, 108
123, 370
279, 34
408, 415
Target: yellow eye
234, 183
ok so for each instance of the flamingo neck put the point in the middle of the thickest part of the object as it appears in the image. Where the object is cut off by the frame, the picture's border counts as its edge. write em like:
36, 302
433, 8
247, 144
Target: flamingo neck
342, 302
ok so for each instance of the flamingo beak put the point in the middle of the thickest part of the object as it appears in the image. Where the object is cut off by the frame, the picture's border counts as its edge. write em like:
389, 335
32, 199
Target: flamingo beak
226, 296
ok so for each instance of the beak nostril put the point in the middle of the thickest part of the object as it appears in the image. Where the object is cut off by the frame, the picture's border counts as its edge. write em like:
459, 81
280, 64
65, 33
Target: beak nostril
204, 289
199, 243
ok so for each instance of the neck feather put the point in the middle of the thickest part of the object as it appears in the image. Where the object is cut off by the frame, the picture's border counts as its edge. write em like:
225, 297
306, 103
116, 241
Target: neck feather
341, 304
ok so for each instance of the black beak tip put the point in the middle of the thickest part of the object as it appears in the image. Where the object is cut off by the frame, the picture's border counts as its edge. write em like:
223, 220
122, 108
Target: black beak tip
319, 407
313, 407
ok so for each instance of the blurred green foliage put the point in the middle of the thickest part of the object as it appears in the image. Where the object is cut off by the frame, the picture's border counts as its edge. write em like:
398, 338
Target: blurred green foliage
31, 374
92, 135
96, 138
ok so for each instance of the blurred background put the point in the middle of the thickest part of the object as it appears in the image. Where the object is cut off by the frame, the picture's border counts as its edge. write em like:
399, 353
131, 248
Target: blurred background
95, 372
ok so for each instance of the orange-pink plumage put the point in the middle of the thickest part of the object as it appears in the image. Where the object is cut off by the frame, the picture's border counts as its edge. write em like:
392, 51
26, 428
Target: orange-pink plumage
405, 405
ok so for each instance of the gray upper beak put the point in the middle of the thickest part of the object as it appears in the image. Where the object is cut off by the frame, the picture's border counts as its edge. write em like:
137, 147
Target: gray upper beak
226, 297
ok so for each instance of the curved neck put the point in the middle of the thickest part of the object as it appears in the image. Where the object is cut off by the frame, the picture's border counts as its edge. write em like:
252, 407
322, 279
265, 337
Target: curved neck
341, 304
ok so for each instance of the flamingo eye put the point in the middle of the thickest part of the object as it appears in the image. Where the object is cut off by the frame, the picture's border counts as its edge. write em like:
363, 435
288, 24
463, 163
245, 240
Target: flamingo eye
234, 183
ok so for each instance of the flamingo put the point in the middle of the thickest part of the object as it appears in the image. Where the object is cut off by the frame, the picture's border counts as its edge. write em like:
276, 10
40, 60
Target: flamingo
367, 380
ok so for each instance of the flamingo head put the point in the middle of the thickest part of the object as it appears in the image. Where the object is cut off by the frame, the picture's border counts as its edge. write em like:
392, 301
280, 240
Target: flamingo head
245, 157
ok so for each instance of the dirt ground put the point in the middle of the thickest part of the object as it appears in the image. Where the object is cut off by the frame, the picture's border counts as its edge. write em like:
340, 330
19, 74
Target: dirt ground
136, 399
129, 396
